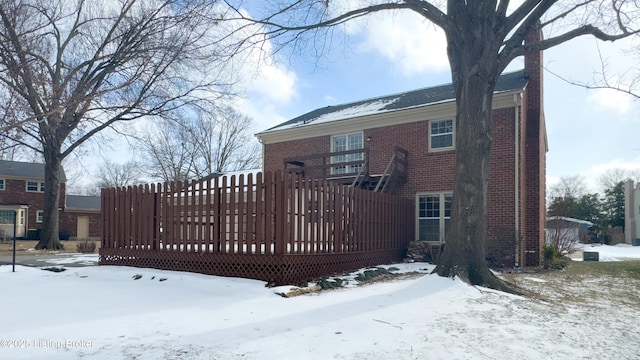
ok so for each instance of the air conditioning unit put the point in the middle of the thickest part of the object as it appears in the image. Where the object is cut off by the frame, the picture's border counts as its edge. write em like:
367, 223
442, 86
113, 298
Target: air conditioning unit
636, 242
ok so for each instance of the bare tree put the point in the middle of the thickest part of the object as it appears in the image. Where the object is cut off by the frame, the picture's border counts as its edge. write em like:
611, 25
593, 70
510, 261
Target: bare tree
224, 142
612, 177
564, 237
70, 69
569, 187
111, 174
483, 37
211, 141
167, 149
627, 82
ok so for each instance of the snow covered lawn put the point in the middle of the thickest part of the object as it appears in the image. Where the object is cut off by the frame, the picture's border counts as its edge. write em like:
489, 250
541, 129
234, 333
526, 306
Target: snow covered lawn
106, 313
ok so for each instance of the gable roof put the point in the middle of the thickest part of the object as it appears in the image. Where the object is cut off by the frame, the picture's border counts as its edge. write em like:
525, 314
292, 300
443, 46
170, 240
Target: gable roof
26, 170
422, 97
80, 202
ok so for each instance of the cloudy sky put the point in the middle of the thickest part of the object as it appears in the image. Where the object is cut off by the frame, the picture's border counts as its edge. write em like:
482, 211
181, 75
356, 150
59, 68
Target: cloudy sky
589, 131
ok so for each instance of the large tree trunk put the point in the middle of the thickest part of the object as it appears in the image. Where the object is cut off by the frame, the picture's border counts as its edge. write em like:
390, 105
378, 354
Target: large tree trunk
49, 238
475, 71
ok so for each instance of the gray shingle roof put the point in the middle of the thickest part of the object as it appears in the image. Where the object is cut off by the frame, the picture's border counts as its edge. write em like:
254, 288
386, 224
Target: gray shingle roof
25, 170
437, 94
83, 202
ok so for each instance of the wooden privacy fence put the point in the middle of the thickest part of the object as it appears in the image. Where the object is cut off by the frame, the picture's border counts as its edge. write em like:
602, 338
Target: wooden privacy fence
280, 228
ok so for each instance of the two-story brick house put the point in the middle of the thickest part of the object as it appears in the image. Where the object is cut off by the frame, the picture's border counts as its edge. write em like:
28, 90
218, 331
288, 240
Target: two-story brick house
22, 191
361, 144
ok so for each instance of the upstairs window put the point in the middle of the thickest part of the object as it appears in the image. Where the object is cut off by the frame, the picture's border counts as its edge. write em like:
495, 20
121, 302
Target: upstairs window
35, 186
1, 184
441, 135
345, 143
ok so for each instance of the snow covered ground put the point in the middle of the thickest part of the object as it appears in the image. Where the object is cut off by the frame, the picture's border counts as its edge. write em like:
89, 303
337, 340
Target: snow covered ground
127, 313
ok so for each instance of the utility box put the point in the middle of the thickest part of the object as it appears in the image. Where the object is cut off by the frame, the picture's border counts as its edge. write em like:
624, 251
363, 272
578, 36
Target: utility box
590, 256
636, 242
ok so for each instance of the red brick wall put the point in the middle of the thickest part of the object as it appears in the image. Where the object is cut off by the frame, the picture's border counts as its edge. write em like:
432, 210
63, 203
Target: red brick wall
501, 228
16, 193
435, 171
69, 223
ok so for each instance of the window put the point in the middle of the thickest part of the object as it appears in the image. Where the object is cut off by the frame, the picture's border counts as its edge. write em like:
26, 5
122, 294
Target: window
434, 214
344, 143
1, 184
441, 135
39, 216
7, 217
35, 186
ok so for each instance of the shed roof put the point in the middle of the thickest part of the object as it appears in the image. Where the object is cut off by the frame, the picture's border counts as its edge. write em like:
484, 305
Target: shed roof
568, 219
79, 202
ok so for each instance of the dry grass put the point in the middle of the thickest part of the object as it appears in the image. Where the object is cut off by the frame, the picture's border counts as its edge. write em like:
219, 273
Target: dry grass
588, 283
27, 247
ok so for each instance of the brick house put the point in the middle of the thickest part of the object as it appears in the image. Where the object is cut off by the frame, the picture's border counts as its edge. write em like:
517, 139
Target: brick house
407, 141
22, 191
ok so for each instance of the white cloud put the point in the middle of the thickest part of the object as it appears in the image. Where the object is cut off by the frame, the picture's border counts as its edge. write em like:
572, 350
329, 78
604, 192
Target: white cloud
277, 83
264, 114
404, 38
610, 99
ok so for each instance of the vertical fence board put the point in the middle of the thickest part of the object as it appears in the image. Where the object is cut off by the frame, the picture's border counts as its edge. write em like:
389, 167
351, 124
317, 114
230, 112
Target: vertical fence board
269, 212
251, 218
169, 217
241, 213
217, 217
279, 213
190, 216
224, 216
306, 212
206, 217
233, 241
260, 201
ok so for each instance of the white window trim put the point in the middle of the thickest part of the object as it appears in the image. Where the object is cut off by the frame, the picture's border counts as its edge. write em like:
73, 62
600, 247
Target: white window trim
441, 194
453, 142
40, 186
39, 216
4, 184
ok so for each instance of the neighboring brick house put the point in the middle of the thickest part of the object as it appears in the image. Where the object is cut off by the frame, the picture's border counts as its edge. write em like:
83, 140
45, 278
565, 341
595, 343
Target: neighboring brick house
22, 190
422, 122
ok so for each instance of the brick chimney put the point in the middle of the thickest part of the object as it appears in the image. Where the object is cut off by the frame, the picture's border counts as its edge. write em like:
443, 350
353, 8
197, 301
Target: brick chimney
535, 155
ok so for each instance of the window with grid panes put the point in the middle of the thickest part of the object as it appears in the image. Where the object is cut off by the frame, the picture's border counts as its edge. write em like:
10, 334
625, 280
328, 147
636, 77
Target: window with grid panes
434, 214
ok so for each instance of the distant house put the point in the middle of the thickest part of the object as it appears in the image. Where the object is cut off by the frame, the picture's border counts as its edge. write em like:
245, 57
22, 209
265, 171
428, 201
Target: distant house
632, 213
404, 144
22, 191
566, 231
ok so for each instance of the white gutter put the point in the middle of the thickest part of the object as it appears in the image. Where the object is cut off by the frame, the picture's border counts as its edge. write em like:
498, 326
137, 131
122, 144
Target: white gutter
517, 98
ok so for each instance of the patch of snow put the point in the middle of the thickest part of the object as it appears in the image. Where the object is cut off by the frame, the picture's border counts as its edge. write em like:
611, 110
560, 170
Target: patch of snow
368, 108
72, 258
617, 252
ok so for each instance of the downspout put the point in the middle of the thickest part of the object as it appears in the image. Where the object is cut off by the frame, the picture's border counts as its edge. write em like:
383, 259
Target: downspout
518, 101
